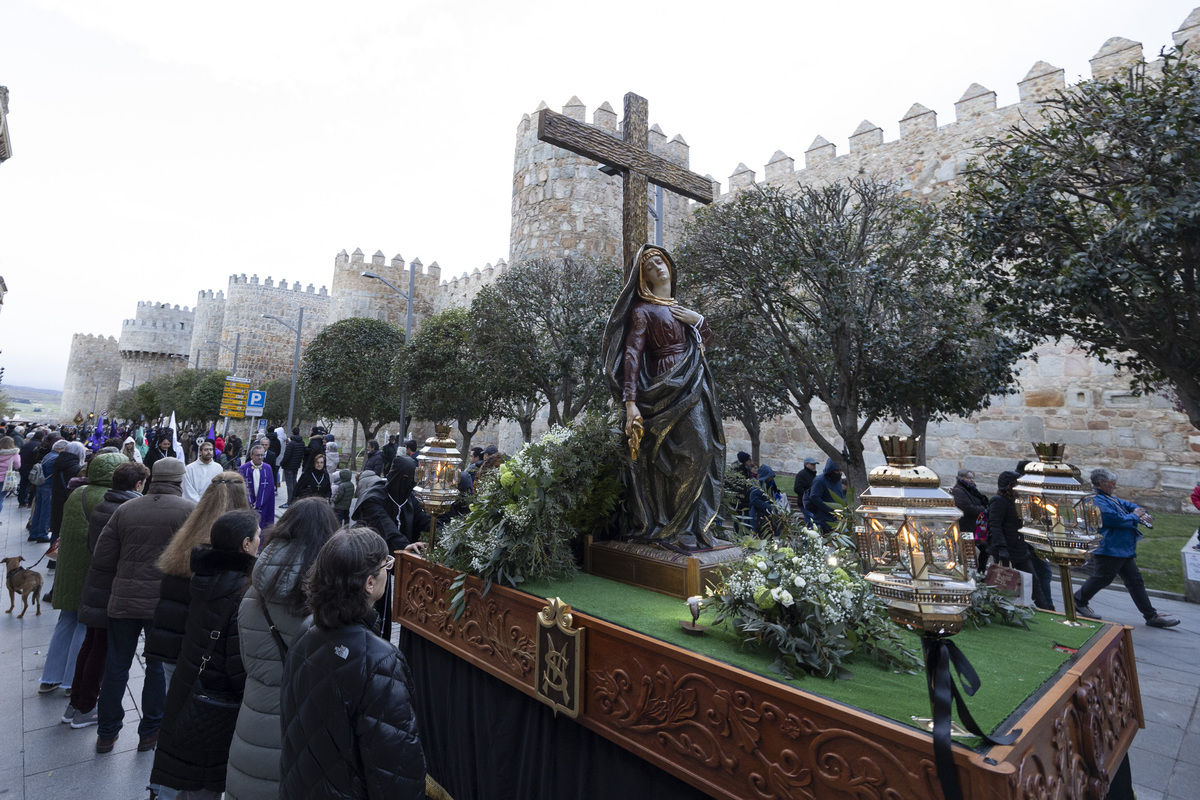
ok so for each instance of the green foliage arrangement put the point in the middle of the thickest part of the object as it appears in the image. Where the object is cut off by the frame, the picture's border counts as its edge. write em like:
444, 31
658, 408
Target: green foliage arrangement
793, 596
523, 521
988, 606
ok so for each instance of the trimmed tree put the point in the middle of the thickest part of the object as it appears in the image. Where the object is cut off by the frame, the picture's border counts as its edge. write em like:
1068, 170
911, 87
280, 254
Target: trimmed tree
1089, 224
446, 379
346, 373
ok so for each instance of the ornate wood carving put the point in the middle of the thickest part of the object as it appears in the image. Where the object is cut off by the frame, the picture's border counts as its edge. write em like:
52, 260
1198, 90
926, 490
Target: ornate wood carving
736, 735
488, 633
1088, 735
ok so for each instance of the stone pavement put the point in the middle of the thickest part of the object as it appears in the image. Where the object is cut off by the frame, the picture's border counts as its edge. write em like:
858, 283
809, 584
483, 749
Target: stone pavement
40, 758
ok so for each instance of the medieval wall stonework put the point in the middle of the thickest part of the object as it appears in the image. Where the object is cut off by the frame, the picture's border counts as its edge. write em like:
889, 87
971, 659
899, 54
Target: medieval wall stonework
93, 375
266, 348
563, 205
154, 342
1064, 395
207, 325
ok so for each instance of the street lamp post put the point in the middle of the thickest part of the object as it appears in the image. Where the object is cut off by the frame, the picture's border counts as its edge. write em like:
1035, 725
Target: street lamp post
237, 346
408, 319
295, 359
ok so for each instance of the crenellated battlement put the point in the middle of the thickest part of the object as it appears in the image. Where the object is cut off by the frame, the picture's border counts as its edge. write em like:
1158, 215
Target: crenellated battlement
928, 156
208, 294
564, 205
150, 304
269, 283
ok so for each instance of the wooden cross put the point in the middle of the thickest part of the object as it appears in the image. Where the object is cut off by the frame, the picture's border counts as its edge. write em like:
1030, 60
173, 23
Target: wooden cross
629, 155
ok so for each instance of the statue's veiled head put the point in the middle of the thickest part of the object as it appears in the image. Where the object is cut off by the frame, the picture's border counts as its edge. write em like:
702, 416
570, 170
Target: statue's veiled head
655, 272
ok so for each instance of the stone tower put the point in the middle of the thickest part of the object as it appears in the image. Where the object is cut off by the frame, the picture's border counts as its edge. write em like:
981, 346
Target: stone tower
93, 375
266, 346
209, 320
563, 205
356, 296
156, 341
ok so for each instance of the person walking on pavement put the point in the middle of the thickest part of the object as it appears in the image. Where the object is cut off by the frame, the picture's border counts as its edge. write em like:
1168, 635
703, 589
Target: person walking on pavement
1117, 553
128, 550
199, 474
293, 460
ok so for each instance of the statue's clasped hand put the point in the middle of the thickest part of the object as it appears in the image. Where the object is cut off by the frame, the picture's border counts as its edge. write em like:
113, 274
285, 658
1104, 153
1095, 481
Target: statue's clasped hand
686, 315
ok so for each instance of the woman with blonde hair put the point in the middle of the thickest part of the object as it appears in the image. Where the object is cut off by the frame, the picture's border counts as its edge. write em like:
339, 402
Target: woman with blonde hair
227, 493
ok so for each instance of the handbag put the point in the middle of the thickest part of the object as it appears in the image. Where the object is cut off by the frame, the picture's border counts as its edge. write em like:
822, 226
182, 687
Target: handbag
1012, 582
207, 719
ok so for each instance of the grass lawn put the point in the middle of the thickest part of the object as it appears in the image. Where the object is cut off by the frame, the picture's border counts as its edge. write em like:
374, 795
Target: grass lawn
1158, 553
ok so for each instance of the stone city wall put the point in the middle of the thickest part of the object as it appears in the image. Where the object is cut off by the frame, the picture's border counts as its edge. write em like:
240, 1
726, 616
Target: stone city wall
1064, 395
93, 375
209, 320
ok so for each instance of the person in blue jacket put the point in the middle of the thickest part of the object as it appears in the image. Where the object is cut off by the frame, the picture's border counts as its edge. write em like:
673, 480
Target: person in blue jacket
824, 488
765, 501
1117, 554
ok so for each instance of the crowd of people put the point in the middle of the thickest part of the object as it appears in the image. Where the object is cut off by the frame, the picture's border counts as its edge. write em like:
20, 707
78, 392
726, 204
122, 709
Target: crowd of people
268, 667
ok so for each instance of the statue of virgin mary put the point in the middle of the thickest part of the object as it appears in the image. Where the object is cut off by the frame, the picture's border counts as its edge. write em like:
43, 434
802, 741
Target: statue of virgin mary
654, 362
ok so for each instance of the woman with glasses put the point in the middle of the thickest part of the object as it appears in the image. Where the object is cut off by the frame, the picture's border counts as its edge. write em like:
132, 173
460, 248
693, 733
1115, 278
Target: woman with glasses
345, 710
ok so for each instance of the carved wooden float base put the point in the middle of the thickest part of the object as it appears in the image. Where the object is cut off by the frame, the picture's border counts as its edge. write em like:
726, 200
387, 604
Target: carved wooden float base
657, 568
734, 734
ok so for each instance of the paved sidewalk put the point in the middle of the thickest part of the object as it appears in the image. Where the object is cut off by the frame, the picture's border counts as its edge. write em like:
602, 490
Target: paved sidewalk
43, 759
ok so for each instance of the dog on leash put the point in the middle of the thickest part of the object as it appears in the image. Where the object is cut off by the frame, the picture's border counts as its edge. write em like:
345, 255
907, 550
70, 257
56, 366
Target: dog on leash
23, 580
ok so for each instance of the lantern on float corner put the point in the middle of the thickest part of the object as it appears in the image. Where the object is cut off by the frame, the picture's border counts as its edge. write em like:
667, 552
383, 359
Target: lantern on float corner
1061, 519
910, 546
438, 470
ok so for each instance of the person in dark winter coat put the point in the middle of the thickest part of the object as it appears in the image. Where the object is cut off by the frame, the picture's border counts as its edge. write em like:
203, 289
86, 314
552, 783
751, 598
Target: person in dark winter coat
765, 500
392, 510
374, 460
128, 480
225, 492
39, 523
1005, 540
804, 481
73, 562
972, 502
344, 497
316, 444
276, 590
126, 557
28, 458
161, 449
389, 453
314, 481
824, 488
349, 730
66, 467
293, 460
189, 756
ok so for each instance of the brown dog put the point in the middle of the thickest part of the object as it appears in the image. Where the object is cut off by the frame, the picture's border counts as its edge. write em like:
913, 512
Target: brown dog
23, 580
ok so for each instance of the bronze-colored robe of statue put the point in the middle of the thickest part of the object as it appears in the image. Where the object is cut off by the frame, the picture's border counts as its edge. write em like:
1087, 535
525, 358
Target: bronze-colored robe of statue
658, 361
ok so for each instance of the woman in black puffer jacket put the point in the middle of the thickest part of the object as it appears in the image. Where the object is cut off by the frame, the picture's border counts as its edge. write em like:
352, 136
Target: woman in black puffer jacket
66, 466
1005, 540
189, 757
349, 730
227, 492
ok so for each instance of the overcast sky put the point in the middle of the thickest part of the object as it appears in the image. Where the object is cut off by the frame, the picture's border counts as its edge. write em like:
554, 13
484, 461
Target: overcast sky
159, 147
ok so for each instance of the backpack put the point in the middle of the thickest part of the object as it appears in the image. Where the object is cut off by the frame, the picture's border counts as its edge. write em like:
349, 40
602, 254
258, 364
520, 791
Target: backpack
981, 527
36, 475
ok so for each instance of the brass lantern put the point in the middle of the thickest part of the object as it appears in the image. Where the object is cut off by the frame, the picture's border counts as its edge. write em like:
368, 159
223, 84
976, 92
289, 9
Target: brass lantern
438, 469
910, 545
1061, 520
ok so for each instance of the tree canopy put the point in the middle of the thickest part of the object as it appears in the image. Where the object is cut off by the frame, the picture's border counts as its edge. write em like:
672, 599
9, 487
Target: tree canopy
541, 324
1090, 223
346, 372
446, 379
838, 283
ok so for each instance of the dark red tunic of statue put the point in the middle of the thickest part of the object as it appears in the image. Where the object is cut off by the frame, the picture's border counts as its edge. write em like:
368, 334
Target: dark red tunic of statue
657, 340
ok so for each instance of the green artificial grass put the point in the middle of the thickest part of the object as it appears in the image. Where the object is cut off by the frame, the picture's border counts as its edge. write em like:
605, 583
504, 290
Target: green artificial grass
1012, 662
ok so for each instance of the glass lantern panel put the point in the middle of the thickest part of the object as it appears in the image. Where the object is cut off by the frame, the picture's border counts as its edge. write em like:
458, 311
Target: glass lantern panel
883, 550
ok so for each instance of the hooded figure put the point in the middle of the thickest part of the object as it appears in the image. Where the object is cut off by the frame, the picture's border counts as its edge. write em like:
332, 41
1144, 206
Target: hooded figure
655, 366
824, 488
131, 451
392, 510
766, 500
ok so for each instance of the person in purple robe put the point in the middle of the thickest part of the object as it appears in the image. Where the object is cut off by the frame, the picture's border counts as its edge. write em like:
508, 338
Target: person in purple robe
260, 486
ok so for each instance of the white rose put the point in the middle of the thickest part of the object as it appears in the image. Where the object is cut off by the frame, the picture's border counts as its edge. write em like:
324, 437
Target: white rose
762, 565
786, 598
796, 561
799, 582
777, 593
824, 578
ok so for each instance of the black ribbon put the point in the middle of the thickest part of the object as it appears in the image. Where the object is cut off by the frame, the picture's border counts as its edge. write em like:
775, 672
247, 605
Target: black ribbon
940, 655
